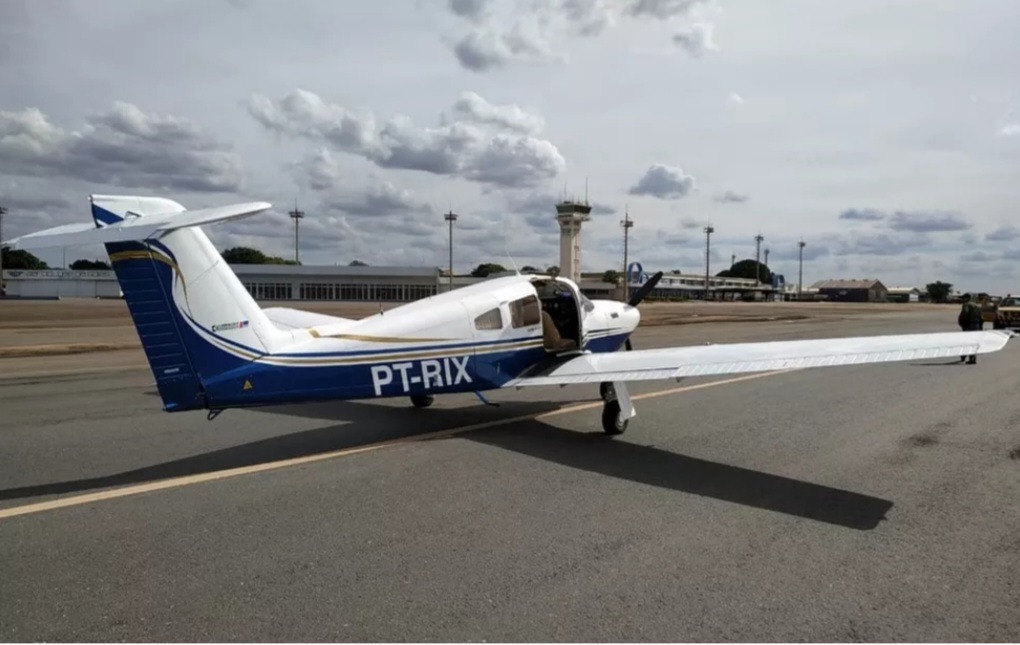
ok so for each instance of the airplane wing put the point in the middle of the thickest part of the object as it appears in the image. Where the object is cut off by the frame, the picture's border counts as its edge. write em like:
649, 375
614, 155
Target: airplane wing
287, 319
735, 358
133, 228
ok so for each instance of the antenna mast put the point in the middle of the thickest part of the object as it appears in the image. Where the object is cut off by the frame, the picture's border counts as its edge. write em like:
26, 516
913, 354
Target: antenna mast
626, 223
296, 215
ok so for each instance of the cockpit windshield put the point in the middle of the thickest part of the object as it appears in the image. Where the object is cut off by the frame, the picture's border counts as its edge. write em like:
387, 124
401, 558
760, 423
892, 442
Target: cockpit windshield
587, 304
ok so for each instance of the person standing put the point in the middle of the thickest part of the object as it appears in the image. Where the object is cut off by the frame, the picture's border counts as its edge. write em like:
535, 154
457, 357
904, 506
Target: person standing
970, 319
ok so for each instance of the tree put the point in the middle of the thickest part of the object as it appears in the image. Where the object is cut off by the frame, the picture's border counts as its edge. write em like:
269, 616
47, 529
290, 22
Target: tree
246, 255
21, 260
357, 263
487, 269
938, 291
748, 269
553, 271
529, 269
611, 276
90, 265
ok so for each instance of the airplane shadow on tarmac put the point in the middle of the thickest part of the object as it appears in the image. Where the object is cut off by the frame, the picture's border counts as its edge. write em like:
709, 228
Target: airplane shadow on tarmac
368, 423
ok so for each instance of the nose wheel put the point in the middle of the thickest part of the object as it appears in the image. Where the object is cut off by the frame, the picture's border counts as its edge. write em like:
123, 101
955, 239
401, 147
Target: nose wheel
618, 409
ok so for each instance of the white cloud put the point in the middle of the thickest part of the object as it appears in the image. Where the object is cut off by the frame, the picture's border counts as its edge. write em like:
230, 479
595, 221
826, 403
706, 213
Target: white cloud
458, 147
472, 108
502, 32
696, 39
731, 197
1010, 130
664, 182
120, 146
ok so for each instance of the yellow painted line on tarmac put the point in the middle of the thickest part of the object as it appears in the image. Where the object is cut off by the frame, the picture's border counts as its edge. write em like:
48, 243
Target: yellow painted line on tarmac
178, 482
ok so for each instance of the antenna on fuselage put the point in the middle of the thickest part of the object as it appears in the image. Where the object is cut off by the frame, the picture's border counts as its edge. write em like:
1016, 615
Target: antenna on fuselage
511, 258
506, 245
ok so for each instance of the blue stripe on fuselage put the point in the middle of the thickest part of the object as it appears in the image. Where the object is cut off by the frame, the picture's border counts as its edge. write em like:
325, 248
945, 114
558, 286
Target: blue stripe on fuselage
272, 384
231, 381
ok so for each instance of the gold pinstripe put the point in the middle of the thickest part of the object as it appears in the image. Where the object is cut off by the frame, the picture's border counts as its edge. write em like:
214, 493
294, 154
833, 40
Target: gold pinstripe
381, 339
379, 358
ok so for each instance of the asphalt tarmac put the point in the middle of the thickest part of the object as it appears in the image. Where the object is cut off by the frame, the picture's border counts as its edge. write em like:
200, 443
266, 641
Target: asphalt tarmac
874, 503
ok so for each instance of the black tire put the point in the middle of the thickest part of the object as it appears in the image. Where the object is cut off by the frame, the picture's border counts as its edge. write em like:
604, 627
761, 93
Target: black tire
612, 424
606, 391
422, 400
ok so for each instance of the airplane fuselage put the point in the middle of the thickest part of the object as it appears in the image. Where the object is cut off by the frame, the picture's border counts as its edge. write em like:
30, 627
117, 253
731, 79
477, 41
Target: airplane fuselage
471, 339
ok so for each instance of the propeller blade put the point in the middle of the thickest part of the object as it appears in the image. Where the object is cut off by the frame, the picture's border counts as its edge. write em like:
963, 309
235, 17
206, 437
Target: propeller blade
644, 290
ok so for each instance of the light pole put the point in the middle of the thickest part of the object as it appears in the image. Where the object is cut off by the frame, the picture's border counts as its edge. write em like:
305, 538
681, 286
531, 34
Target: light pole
2, 211
451, 217
800, 270
626, 223
708, 255
296, 215
757, 256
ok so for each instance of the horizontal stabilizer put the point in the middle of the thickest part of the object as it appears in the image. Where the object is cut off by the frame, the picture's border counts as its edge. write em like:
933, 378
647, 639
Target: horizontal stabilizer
286, 318
736, 358
134, 229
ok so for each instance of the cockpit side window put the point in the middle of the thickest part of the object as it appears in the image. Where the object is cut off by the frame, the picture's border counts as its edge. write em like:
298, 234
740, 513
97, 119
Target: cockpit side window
525, 312
491, 319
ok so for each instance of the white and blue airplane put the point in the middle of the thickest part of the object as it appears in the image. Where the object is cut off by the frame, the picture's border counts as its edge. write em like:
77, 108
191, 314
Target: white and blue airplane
212, 347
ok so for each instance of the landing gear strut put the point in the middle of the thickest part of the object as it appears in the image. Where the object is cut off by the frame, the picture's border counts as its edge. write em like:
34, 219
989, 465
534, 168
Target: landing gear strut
618, 410
422, 400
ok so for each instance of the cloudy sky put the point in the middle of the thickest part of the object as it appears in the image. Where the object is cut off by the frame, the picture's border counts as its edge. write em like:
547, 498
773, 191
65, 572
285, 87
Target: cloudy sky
886, 134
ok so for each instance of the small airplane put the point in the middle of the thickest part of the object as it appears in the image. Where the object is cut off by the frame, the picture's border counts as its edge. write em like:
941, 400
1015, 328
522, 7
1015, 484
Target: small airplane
212, 347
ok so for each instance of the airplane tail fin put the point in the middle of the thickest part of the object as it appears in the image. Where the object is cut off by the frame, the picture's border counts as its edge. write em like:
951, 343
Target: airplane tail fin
195, 319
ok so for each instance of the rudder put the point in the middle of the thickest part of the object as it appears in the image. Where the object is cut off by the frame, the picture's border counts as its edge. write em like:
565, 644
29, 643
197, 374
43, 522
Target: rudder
145, 295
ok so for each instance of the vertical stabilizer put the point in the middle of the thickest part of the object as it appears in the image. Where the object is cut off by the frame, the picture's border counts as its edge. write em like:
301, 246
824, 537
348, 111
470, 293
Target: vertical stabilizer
195, 319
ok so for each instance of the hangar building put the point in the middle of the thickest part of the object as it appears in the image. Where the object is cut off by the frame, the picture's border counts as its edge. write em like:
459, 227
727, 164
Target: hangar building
852, 290
60, 283
263, 281
281, 282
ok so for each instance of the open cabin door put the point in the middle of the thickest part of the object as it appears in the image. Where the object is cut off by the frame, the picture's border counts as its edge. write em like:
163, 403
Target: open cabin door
562, 315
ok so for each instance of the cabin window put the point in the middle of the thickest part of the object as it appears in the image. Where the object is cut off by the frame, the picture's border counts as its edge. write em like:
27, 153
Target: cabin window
491, 319
525, 312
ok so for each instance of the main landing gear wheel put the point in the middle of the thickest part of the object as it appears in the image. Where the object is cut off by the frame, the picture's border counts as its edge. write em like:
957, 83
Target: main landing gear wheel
422, 400
606, 391
613, 422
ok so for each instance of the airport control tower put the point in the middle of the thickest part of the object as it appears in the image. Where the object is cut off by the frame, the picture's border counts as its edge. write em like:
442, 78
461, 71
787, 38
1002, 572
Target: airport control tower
571, 215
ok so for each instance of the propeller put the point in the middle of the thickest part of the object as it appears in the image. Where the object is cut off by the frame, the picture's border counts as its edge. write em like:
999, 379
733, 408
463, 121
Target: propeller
644, 290
641, 294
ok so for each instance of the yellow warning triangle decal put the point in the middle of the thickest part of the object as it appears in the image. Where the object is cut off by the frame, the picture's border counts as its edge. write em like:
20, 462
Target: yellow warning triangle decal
247, 385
